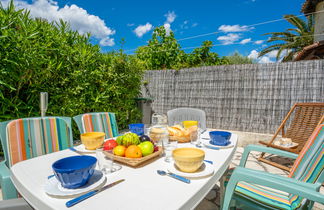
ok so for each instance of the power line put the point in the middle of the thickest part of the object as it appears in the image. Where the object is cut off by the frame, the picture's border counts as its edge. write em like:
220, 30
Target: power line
186, 48
251, 25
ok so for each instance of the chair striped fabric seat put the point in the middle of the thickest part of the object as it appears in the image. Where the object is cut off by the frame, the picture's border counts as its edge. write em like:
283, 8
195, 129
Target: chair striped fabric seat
307, 168
32, 137
99, 122
261, 195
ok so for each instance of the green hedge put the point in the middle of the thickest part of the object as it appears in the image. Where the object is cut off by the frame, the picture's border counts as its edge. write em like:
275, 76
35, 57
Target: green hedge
37, 56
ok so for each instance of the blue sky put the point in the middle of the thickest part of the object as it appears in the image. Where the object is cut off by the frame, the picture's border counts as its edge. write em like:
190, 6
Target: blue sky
110, 21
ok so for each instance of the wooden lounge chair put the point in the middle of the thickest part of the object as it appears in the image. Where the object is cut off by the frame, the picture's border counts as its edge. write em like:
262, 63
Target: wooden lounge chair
298, 125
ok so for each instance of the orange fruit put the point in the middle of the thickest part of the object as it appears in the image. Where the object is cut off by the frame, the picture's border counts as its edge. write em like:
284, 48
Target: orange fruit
133, 151
119, 150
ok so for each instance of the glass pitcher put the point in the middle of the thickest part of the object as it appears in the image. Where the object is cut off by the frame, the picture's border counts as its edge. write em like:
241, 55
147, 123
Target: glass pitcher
159, 119
158, 132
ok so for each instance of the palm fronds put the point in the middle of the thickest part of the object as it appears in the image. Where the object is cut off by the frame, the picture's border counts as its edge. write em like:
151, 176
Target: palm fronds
291, 41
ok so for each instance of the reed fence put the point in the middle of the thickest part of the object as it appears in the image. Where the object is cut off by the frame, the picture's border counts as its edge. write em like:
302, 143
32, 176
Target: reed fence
249, 97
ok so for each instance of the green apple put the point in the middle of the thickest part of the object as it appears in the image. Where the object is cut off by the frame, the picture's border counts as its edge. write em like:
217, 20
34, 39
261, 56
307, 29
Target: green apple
146, 147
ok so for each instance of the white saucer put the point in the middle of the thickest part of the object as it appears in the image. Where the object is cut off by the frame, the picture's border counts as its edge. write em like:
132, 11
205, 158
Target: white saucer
54, 188
207, 144
81, 148
205, 170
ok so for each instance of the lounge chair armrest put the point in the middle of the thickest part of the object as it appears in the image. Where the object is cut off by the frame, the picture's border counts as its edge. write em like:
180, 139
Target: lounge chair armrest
289, 185
259, 148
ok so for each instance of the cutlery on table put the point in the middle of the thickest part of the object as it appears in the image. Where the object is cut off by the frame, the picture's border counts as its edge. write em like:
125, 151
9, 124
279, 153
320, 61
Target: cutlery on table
74, 150
203, 131
183, 179
90, 194
209, 161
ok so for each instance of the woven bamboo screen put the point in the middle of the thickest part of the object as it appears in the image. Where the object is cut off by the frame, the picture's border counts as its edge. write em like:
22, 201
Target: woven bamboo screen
250, 97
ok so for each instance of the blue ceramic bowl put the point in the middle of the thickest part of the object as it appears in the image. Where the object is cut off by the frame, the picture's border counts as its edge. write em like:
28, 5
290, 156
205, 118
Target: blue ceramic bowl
75, 171
219, 138
137, 128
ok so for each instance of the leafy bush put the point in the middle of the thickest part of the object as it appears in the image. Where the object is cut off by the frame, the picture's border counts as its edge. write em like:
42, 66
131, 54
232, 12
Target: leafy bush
38, 56
164, 52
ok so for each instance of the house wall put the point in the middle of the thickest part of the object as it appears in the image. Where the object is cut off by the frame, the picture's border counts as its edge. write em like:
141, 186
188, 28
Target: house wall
319, 22
249, 97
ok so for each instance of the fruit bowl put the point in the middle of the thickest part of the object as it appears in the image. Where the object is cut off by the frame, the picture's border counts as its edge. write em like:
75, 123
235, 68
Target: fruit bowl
188, 159
135, 162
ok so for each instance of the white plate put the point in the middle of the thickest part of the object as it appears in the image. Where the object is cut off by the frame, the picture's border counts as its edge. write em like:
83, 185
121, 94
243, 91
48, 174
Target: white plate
205, 170
207, 144
54, 188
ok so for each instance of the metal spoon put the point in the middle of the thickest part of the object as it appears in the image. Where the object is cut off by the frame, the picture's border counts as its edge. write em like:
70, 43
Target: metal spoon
183, 179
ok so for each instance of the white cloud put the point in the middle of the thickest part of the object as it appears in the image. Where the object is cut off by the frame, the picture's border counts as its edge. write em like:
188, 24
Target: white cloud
130, 24
245, 41
234, 28
167, 27
77, 17
143, 29
171, 16
259, 42
253, 54
107, 42
229, 38
268, 58
273, 54
265, 59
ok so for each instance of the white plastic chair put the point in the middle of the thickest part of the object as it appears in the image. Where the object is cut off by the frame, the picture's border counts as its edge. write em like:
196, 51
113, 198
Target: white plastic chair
182, 114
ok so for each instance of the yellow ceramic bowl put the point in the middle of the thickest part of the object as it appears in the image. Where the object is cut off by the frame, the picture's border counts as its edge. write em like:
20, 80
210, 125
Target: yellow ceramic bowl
188, 159
92, 140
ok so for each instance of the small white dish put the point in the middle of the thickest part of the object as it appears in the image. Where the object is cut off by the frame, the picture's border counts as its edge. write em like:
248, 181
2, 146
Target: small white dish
81, 148
54, 188
208, 144
288, 145
204, 171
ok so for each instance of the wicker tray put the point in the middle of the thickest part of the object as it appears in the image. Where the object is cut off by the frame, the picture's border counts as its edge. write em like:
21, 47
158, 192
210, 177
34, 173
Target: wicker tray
136, 162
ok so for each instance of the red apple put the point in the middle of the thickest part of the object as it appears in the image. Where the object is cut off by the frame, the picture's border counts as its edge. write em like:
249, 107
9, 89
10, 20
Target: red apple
110, 144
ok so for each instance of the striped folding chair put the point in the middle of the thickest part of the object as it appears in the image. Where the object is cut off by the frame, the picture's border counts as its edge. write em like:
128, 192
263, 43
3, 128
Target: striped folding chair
26, 138
249, 188
97, 122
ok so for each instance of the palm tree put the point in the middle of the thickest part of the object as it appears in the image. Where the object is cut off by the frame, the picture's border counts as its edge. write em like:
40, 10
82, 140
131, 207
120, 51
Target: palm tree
292, 40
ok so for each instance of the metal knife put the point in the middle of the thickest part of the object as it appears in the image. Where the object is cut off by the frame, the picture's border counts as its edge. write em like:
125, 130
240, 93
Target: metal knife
90, 194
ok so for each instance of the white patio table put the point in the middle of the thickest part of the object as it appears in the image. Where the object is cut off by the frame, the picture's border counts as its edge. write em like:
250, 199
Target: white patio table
142, 189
